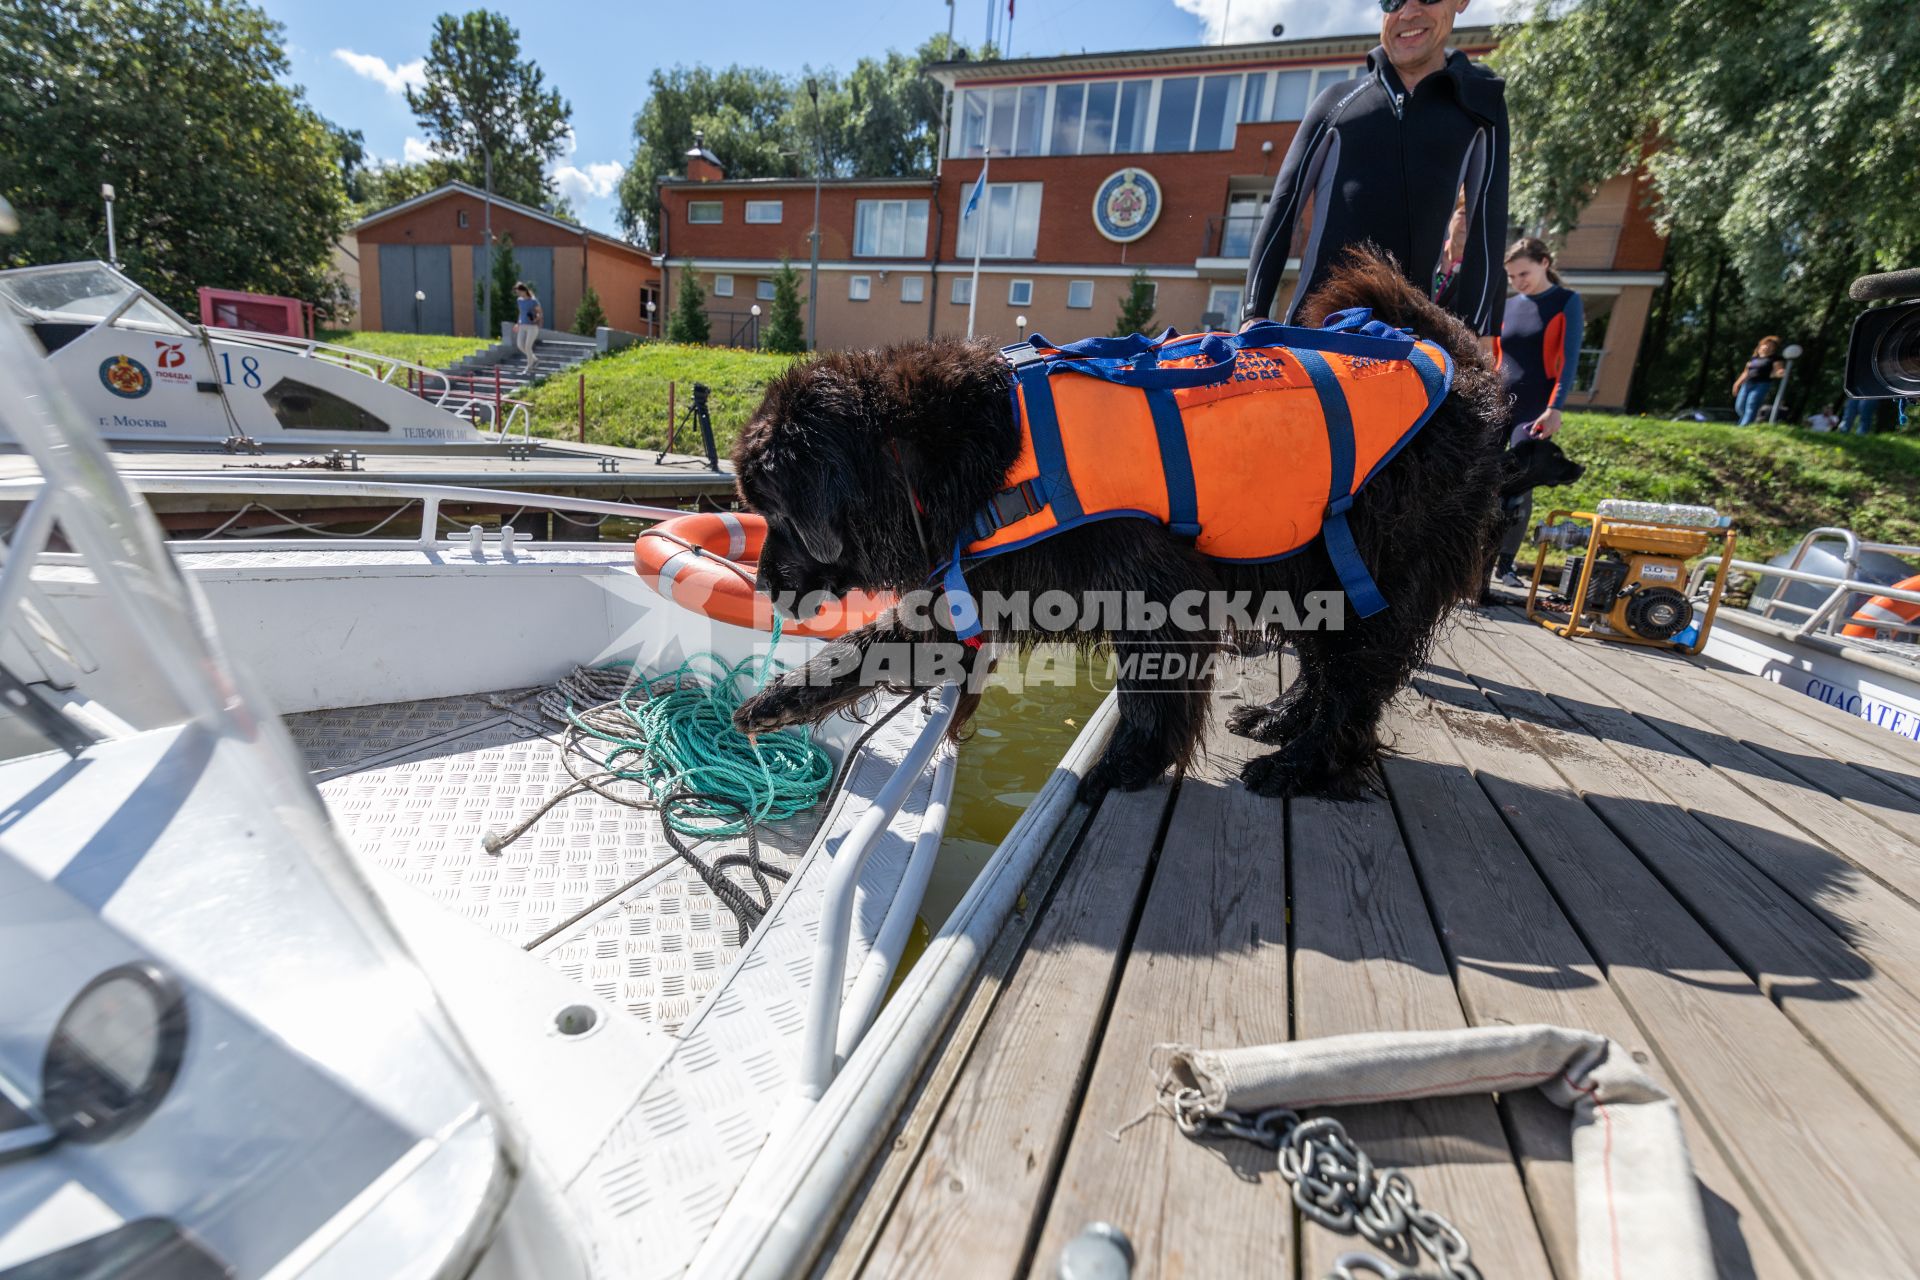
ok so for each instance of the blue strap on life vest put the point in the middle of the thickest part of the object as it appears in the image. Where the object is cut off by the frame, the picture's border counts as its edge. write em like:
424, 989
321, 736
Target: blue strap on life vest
1176, 463
1341, 549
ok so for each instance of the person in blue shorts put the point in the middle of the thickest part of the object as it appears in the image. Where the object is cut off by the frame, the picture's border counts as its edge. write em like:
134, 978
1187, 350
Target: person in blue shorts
1538, 351
1754, 387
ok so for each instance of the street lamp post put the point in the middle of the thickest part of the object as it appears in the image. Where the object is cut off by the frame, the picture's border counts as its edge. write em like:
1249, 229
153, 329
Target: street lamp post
1791, 354
651, 331
486, 218
1022, 322
813, 266
754, 311
419, 296
113, 251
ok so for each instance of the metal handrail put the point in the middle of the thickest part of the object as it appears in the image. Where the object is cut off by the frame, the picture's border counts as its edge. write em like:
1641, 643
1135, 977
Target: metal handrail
818, 1058
1828, 611
430, 496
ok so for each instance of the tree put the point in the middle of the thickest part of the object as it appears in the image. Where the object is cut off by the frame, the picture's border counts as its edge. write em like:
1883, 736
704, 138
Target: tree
590, 315
741, 110
506, 274
482, 98
1781, 156
224, 175
882, 120
785, 334
689, 322
1136, 309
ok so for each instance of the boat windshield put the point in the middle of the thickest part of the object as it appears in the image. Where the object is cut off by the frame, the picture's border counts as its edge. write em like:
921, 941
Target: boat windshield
215, 1043
86, 293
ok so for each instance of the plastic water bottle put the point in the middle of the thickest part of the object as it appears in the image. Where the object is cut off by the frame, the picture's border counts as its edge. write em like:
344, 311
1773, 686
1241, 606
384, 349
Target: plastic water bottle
1661, 513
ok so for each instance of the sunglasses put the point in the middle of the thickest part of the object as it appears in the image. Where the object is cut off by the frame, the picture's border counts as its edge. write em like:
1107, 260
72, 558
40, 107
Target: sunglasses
1395, 6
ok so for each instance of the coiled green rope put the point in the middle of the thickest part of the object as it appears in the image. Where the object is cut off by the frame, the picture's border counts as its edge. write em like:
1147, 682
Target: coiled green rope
674, 737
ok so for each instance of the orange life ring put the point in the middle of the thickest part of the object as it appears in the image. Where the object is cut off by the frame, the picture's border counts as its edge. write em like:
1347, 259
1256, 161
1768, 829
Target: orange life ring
1885, 610
706, 561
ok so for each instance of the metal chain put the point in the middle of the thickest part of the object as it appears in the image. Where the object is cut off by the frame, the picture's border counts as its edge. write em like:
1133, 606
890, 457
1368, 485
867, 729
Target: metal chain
1336, 1184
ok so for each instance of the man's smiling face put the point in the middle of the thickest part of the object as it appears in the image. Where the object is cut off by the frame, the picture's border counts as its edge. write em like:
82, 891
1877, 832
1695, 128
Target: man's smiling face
1415, 36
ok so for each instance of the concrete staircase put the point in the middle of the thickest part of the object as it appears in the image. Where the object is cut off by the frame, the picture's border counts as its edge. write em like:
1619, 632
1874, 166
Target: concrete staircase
554, 352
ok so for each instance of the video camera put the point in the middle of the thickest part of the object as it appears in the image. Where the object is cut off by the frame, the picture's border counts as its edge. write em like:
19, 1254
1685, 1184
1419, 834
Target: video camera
1883, 355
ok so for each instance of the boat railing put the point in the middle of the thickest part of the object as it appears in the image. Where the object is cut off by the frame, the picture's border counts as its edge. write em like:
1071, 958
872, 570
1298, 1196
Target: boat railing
437, 387
1831, 614
267, 493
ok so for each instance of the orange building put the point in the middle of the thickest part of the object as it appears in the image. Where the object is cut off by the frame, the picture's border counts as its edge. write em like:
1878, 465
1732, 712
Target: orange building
1187, 139
422, 259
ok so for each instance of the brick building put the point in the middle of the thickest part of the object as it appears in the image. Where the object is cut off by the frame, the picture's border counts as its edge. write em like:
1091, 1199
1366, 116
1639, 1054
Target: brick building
435, 245
1207, 127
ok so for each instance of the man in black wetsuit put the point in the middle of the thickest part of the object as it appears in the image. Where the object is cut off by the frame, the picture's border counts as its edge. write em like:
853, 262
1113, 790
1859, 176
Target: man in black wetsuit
1383, 158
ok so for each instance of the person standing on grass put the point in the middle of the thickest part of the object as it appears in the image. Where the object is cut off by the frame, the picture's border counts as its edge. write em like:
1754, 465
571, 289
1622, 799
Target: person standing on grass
1754, 387
1539, 353
1857, 417
1381, 159
527, 331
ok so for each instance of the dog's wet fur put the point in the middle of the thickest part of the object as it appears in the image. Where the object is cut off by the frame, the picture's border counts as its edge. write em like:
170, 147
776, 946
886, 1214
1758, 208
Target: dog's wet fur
829, 457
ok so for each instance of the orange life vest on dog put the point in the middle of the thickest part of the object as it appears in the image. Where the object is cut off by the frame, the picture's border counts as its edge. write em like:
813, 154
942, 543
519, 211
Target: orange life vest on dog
1251, 444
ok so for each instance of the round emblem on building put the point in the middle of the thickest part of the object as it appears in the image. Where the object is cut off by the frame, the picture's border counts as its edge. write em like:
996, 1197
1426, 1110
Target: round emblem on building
125, 377
1126, 205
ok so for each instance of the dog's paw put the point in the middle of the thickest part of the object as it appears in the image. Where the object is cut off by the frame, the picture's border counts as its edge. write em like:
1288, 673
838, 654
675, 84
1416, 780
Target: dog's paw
778, 706
1262, 724
1284, 775
1117, 771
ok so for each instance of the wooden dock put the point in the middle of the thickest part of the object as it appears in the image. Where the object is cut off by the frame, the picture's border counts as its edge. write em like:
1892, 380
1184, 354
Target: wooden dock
1718, 873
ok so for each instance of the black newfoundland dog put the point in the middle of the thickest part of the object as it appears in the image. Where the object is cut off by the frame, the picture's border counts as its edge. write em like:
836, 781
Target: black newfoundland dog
869, 465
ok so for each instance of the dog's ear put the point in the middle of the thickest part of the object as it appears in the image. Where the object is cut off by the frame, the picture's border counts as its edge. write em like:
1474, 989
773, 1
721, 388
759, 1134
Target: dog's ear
819, 535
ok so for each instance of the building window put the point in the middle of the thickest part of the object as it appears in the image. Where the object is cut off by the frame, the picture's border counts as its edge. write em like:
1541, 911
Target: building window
703, 211
1254, 100
1080, 294
1010, 216
1223, 306
723, 286
1029, 138
1219, 109
1068, 100
763, 210
962, 291
463, 218
913, 288
1290, 94
1130, 124
890, 229
859, 288
1173, 131
1096, 136
1020, 293
763, 290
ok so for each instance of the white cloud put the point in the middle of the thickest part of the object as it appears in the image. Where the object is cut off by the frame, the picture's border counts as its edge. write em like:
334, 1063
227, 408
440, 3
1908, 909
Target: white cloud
1251, 20
595, 182
415, 151
375, 68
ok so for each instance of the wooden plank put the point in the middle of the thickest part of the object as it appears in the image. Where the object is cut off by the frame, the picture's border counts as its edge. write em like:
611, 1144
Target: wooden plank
1738, 710
1704, 727
1880, 925
1830, 1172
1365, 958
1208, 967
846, 1252
971, 1205
1516, 959
1868, 1023
1903, 751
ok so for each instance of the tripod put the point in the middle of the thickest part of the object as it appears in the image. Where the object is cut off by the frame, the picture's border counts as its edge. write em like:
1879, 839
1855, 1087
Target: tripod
697, 412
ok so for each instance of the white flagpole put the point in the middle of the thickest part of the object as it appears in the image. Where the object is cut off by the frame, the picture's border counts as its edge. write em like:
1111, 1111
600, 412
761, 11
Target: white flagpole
980, 237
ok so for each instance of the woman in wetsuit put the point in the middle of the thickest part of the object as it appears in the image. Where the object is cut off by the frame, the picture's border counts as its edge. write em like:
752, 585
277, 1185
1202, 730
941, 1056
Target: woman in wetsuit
1538, 350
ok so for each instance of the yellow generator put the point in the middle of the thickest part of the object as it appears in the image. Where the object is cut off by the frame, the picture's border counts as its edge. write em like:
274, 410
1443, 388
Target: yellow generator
1629, 581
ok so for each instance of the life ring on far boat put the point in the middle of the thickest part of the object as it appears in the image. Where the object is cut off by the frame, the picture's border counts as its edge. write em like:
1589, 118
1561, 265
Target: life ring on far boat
1886, 612
706, 562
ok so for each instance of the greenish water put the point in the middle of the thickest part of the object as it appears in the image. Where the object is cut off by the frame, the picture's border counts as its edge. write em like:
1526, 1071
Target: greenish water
1017, 737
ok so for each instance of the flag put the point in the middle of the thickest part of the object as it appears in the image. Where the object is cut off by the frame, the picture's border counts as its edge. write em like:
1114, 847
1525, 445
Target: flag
979, 189
1009, 10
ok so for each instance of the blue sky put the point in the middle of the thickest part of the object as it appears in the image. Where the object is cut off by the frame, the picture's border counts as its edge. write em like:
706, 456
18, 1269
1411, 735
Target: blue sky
354, 56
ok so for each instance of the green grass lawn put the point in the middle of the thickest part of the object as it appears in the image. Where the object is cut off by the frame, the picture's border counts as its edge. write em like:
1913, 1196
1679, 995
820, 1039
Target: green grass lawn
627, 394
1776, 482
430, 349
